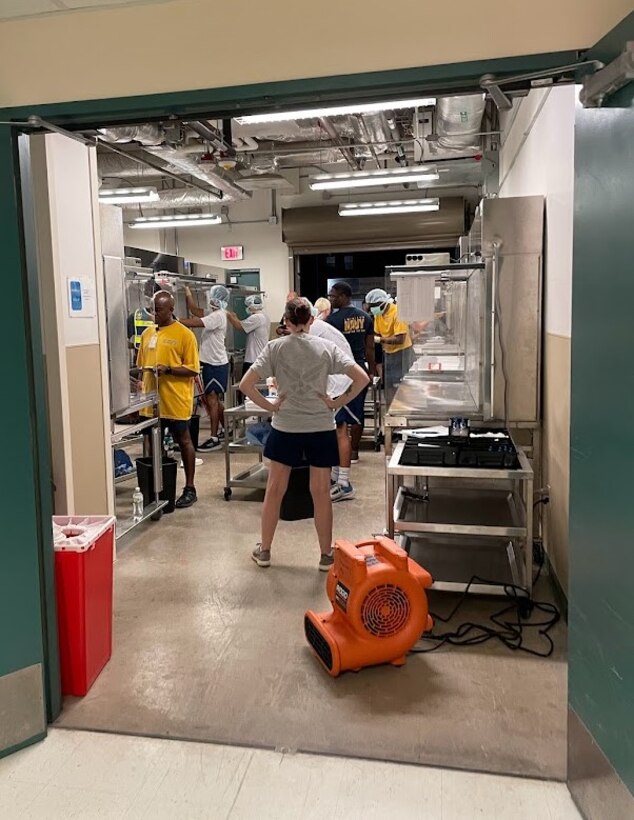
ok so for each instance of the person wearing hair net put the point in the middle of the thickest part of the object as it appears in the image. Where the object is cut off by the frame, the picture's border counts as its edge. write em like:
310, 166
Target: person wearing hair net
213, 356
257, 326
395, 339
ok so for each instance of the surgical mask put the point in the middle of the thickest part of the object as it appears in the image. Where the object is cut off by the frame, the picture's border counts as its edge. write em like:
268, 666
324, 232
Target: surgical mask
376, 310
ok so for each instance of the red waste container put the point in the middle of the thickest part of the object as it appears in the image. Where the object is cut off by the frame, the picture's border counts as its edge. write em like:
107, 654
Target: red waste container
84, 554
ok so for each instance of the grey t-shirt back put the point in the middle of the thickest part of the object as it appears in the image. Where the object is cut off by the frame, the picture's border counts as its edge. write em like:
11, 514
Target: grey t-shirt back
301, 364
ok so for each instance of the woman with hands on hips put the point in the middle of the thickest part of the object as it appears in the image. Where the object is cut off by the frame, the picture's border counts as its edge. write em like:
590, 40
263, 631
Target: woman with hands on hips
303, 420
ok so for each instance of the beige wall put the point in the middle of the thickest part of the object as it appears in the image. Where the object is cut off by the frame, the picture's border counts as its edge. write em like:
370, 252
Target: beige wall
205, 44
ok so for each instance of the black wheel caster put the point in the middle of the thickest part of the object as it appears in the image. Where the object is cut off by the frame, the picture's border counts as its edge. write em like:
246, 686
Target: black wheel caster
227, 493
157, 515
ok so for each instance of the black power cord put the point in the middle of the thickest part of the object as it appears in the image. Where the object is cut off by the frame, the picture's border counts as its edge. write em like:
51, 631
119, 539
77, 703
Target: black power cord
509, 623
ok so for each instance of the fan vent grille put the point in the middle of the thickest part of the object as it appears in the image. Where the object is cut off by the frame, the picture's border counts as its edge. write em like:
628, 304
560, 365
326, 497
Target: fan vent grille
385, 611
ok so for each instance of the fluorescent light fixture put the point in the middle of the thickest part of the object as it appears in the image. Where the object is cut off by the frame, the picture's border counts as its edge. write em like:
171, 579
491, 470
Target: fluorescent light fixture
128, 196
335, 111
178, 221
404, 206
367, 179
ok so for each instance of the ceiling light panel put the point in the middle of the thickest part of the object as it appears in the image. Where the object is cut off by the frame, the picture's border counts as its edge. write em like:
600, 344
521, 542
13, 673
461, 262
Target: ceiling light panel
128, 196
368, 179
406, 206
336, 111
178, 221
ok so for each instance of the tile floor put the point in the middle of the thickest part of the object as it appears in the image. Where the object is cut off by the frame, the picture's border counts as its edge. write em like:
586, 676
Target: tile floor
75, 774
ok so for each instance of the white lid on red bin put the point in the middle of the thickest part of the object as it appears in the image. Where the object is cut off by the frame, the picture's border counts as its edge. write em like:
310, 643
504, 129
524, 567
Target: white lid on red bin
78, 533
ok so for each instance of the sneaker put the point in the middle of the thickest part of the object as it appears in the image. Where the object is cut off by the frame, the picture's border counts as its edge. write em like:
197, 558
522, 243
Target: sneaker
341, 492
355, 457
261, 557
187, 498
199, 463
326, 561
210, 445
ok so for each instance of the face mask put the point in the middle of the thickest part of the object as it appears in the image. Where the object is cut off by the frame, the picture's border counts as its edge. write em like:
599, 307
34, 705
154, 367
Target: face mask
376, 311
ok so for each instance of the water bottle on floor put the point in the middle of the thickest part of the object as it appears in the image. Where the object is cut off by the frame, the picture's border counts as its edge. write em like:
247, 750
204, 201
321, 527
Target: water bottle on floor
137, 504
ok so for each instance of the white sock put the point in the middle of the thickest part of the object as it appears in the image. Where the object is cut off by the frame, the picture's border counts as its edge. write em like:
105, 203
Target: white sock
344, 476
334, 473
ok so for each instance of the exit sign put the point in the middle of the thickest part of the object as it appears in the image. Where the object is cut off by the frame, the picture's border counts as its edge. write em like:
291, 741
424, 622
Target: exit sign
231, 253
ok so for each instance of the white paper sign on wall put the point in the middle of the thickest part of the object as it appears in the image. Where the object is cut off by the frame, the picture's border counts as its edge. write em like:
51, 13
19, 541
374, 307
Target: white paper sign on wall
81, 298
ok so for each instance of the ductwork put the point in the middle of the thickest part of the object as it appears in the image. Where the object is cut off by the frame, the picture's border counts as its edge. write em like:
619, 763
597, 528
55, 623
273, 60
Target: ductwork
458, 120
180, 198
329, 156
118, 167
148, 134
188, 165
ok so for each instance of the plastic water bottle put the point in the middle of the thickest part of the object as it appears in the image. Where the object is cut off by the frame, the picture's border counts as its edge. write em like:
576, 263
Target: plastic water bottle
137, 504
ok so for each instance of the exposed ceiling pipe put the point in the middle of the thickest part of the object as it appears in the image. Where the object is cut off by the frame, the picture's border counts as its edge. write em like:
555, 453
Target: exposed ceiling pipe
349, 157
139, 161
211, 135
365, 137
188, 165
245, 144
395, 131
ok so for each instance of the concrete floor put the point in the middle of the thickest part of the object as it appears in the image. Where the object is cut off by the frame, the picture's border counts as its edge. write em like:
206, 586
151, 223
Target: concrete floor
210, 647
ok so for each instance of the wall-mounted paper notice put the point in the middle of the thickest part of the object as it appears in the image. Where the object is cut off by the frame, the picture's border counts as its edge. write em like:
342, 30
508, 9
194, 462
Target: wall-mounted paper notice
81, 298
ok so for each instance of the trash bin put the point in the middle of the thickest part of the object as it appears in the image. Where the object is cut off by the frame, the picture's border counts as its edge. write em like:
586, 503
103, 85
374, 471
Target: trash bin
84, 548
297, 503
145, 476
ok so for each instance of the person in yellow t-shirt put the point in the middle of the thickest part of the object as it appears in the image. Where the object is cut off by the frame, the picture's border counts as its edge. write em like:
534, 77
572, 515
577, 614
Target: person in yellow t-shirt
170, 351
395, 340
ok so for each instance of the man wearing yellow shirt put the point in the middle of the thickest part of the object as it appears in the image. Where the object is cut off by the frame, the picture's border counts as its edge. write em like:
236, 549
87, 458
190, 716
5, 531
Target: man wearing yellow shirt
171, 351
395, 340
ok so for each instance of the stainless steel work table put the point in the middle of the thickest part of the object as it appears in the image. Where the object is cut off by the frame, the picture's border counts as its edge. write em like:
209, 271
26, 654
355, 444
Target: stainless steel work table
469, 506
255, 477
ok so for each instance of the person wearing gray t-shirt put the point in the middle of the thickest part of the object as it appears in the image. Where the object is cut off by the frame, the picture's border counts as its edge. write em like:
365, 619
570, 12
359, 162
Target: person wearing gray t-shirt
303, 420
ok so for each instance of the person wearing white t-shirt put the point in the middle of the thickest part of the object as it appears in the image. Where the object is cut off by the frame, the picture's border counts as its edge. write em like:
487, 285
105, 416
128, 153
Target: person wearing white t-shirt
213, 356
257, 326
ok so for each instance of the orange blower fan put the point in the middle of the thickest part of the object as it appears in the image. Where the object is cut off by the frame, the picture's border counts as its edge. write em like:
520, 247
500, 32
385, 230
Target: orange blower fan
379, 606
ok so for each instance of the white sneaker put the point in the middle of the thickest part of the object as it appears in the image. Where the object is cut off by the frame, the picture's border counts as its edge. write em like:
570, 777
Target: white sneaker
199, 463
341, 492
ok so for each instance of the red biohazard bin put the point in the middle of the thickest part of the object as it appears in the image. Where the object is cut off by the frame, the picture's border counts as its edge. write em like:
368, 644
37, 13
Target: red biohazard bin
84, 554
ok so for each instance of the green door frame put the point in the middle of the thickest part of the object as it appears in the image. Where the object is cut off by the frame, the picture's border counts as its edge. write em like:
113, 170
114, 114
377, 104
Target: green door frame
29, 482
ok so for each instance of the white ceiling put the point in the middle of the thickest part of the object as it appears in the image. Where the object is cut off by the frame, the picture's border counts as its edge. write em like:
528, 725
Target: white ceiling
12, 9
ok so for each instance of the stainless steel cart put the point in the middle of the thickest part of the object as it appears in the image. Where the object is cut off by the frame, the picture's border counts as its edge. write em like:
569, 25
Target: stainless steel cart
373, 411
254, 477
461, 510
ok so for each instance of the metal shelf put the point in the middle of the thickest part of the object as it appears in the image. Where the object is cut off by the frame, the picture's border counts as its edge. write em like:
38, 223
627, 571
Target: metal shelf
124, 527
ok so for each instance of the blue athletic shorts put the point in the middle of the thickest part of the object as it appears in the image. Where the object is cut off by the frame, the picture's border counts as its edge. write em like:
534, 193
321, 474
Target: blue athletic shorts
215, 378
353, 412
295, 449
175, 426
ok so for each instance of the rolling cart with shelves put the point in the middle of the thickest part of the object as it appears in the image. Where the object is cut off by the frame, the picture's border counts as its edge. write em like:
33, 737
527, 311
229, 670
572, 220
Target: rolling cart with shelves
235, 443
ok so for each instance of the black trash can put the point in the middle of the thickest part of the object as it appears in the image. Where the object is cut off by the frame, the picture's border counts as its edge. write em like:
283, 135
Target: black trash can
297, 503
194, 430
145, 476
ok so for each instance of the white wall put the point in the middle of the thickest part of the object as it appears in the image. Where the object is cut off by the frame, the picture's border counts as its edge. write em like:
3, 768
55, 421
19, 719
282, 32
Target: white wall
537, 157
248, 226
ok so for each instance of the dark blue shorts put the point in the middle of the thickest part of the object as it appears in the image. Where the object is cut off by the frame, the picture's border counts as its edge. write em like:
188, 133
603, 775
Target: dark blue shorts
215, 378
353, 412
295, 449
175, 426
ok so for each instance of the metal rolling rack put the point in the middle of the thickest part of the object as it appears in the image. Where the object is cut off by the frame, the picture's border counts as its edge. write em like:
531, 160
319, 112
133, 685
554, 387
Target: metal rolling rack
153, 510
235, 442
472, 509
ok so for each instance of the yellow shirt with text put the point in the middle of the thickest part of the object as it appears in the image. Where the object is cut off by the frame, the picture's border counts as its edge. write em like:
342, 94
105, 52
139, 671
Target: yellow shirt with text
174, 346
390, 325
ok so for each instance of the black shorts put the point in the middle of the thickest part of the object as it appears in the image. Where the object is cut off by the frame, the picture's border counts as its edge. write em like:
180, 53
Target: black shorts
295, 449
175, 426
